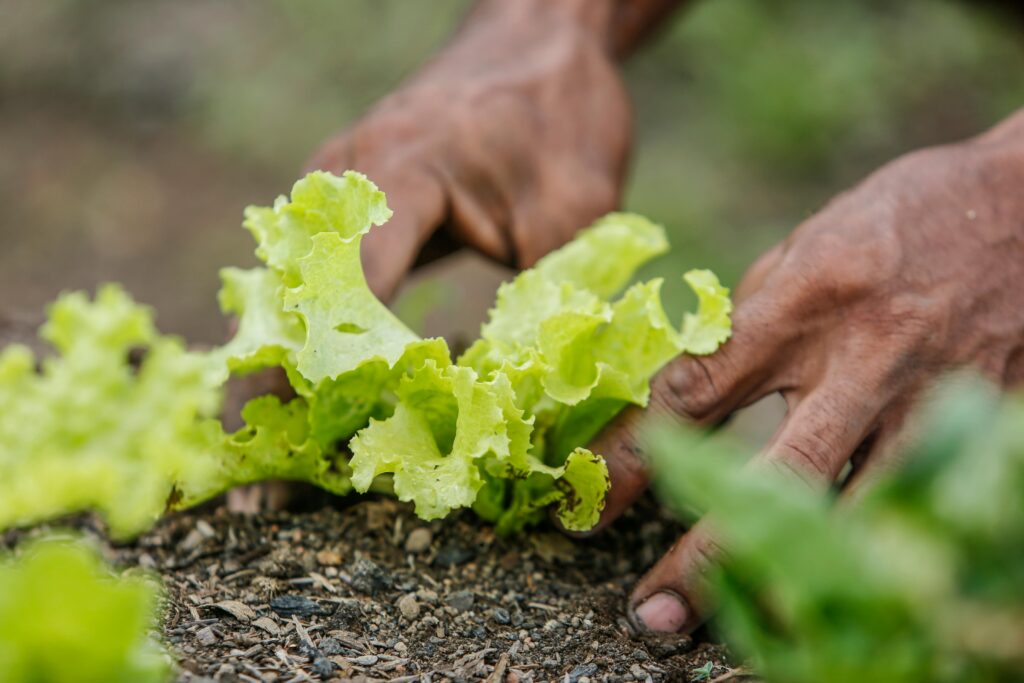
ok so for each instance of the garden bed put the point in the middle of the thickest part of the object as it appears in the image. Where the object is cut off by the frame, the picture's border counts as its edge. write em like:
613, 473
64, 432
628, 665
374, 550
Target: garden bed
370, 592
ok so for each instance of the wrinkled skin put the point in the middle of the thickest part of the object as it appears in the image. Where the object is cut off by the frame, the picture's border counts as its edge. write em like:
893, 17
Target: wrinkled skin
517, 134
494, 143
916, 271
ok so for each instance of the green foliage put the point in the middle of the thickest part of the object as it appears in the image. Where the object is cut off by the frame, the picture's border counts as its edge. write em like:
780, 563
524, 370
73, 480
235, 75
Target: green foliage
501, 430
65, 619
89, 431
552, 358
920, 581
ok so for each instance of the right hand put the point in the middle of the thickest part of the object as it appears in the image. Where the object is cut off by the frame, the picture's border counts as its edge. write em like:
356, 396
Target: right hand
515, 136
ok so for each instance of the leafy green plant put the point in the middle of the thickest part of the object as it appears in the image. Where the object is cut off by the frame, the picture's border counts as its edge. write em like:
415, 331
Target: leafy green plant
920, 581
65, 619
502, 429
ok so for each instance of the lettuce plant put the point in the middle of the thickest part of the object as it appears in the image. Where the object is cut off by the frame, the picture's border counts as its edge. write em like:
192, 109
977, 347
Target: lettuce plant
64, 618
502, 429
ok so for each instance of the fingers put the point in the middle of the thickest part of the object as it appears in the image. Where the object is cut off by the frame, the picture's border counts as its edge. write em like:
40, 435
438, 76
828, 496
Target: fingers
673, 596
886, 453
701, 390
389, 252
813, 445
821, 432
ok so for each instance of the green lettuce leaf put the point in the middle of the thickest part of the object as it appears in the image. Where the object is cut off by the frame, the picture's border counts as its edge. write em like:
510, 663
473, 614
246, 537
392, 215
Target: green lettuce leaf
445, 424
710, 327
320, 203
267, 336
346, 325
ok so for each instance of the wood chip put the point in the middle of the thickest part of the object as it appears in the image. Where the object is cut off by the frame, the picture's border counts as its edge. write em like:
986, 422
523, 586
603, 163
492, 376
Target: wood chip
268, 625
498, 675
321, 580
238, 610
303, 635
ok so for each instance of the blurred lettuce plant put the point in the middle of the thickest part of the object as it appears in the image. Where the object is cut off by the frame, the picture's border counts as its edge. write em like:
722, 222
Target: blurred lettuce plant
64, 618
919, 581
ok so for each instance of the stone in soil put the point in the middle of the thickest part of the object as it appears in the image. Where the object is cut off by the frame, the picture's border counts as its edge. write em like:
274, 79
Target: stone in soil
419, 540
294, 605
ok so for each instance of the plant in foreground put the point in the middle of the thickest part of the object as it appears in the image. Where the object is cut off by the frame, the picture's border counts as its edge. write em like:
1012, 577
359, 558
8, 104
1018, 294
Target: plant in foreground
920, 581
65, 619
501, 430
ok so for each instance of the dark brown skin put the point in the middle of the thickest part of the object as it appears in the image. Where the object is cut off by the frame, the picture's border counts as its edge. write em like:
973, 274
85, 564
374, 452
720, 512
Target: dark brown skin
511, 139
517, 134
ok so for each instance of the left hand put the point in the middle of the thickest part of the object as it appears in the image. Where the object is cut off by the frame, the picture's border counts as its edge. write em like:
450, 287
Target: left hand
916, 271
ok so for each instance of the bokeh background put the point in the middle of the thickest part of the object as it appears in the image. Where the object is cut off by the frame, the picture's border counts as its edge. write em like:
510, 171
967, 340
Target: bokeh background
133, 132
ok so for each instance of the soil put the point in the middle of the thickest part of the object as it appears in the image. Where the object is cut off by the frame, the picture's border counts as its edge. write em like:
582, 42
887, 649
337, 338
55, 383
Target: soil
371, 593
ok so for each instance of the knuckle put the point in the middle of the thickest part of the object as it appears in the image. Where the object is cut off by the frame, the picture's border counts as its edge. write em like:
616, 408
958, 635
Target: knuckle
685, 388
704, 552
810, 457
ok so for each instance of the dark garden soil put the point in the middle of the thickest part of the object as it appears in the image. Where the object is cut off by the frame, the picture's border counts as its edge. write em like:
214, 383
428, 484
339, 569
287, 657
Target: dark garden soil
371, 593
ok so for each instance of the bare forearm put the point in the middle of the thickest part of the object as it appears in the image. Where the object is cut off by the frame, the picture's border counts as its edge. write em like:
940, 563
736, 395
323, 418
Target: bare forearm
622, 25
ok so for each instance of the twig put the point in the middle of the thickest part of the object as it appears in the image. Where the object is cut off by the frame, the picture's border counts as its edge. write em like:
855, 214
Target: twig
733, 674
498, 675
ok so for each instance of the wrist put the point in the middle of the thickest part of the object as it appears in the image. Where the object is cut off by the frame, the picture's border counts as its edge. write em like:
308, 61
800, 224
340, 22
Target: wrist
592, 14
619, 26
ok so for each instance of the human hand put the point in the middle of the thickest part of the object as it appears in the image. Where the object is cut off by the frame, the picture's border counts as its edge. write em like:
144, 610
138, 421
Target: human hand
916, 271
512, 138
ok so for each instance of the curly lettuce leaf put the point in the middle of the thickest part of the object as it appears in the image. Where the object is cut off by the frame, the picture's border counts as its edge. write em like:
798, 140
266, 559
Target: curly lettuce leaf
445, 424
707, 329
267, 335
583, 483
274, 444
320, 203
604, 257
346, 325
91, 432
64, 618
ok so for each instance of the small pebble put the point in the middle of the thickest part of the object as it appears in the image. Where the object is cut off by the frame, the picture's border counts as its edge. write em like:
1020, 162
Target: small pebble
452, 555
501, 615
401, 647
330, 646
460, 601
323, 667
408, 606
419, 540
368, 577
365, 660
206, 636
328, 558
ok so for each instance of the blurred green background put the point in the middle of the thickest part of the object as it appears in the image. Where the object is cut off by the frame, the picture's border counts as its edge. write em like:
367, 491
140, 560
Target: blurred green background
132, 132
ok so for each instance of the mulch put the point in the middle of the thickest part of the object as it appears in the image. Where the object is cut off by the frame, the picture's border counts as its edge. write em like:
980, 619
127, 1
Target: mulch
371, 593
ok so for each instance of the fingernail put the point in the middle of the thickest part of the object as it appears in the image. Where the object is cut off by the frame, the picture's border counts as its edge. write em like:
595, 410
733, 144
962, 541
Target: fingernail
662, 612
